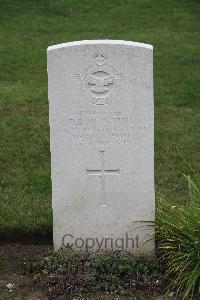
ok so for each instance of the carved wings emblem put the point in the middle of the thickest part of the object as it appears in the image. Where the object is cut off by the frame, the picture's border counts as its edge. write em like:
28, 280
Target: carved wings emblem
100, 85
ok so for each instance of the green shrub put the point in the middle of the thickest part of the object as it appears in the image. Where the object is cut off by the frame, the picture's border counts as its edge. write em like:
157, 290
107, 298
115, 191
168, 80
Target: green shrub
178, 238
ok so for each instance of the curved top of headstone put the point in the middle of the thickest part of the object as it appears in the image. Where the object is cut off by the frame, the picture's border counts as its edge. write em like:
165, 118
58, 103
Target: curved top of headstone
99, 42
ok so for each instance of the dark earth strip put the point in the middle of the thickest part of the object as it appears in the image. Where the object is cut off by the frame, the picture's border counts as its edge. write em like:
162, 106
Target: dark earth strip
16, 275
44, 237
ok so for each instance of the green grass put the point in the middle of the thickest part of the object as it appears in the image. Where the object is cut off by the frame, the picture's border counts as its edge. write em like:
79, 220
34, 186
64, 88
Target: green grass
28, 27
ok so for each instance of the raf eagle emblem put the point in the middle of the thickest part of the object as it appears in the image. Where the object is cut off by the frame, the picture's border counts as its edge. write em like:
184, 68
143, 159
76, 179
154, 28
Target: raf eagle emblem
100, 81
100, 85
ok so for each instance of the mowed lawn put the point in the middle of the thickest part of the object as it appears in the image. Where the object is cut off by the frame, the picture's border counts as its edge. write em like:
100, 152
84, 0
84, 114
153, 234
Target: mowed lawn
28, 27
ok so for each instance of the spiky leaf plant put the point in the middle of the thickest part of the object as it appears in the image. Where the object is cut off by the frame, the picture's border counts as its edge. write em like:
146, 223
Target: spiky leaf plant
178, 237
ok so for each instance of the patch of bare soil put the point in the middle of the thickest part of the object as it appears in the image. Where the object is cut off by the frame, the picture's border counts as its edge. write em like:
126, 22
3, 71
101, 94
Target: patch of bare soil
16, 281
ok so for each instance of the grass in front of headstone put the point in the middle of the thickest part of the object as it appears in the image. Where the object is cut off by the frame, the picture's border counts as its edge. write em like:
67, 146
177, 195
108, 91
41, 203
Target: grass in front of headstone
172, 27
69, 272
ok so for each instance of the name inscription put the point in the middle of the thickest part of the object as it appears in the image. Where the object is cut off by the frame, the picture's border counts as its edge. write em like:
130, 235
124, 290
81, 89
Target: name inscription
93, 127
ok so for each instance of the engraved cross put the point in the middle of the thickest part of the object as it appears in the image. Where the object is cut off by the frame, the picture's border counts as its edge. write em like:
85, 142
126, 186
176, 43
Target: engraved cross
102, 174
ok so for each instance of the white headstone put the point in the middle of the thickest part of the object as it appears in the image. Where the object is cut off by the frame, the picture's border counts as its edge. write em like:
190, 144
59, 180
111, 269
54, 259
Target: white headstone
102, 144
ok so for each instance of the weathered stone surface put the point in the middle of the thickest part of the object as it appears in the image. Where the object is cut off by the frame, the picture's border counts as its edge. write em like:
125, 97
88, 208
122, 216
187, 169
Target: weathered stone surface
102, 144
